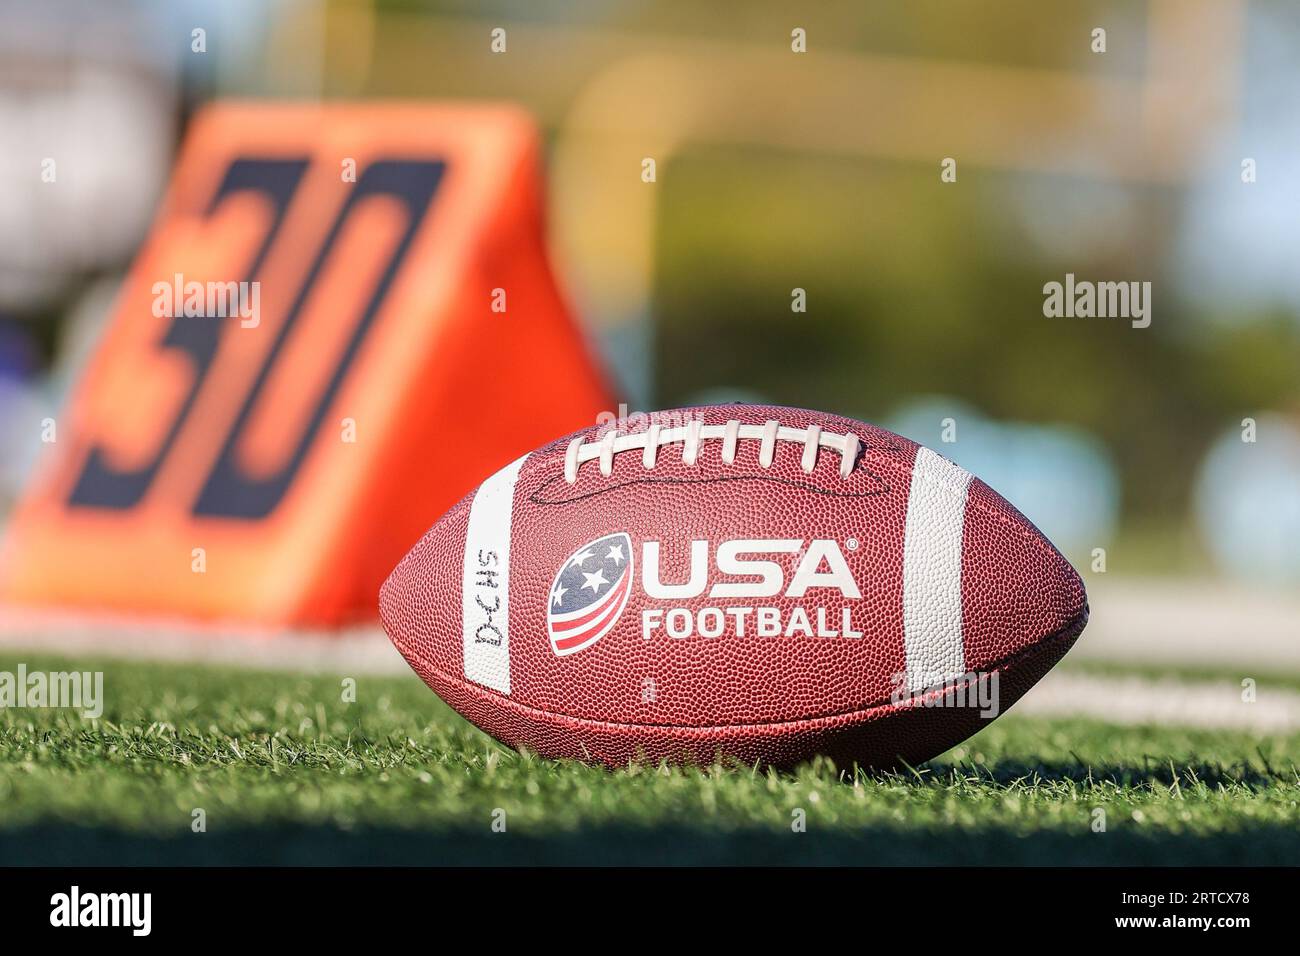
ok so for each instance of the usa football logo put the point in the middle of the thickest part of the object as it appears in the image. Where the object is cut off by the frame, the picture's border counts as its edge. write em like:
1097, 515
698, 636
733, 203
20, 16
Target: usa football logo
589, 593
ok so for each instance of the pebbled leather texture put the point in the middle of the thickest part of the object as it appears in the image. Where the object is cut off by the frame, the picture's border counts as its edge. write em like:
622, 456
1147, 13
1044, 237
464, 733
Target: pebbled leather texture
975, 589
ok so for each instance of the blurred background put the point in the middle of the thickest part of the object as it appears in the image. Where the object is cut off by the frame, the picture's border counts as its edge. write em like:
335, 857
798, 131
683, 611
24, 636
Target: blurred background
1165, 460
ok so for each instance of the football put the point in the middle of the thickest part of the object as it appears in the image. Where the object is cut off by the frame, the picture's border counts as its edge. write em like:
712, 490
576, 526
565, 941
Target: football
744, 583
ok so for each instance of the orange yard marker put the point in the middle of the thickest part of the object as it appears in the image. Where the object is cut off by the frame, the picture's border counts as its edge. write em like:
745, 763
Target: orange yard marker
343, 320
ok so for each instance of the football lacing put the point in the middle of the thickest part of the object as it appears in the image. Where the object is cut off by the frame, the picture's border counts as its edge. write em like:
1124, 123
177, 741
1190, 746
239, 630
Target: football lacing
653, 438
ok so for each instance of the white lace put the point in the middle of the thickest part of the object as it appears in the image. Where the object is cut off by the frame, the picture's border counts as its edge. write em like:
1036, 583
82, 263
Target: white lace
649, 441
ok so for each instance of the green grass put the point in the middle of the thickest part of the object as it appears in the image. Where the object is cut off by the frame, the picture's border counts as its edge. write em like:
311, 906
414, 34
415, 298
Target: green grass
286, 772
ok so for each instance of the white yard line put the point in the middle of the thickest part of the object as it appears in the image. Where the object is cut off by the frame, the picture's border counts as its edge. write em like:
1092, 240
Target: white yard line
1172, 703
362, 649
1190, 623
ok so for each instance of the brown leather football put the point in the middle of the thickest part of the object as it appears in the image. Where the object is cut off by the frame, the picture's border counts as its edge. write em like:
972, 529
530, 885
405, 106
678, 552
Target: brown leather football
755, 583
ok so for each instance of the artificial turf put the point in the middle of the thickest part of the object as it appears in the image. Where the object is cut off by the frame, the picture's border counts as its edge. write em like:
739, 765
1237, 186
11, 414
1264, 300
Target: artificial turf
279, 768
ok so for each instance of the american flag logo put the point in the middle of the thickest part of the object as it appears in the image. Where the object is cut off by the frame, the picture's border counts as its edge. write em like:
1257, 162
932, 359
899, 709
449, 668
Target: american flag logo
589, 593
